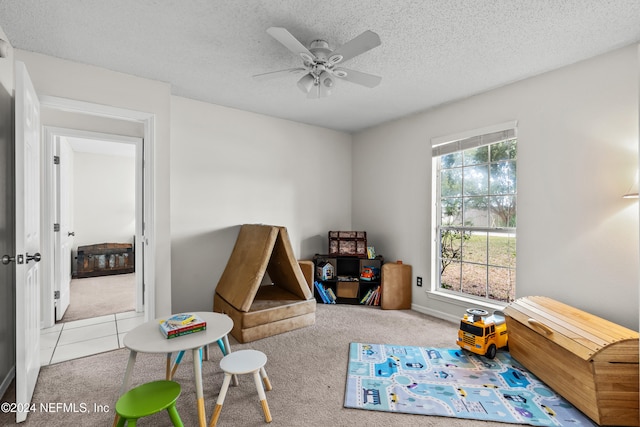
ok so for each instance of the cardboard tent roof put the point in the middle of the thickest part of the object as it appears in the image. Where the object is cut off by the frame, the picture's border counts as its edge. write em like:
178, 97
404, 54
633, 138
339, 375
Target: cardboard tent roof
261, 249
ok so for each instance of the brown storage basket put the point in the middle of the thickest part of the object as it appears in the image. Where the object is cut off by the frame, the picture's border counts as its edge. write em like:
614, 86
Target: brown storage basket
347, 290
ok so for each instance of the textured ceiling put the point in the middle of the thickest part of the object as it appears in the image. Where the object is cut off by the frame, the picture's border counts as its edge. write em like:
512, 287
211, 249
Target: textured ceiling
432, 52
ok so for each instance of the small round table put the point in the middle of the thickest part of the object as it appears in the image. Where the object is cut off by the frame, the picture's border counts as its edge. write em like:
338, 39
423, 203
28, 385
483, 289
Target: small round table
147, 338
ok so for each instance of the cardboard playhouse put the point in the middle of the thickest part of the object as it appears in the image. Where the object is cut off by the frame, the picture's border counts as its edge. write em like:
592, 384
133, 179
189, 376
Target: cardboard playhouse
259, 309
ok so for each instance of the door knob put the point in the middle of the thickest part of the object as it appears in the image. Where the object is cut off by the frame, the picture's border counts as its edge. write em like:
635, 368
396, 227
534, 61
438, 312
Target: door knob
71, 233
7, 259
35, 257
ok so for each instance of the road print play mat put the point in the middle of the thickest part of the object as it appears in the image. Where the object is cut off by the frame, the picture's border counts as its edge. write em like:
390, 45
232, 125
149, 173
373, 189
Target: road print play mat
450, 382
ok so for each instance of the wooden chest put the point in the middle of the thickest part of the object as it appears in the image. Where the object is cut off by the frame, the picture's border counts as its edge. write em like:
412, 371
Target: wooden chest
591, 362
105, 259
348, 243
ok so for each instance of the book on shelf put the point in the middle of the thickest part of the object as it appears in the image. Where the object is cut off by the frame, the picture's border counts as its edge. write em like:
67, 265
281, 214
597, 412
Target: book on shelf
171, 330
378, 295
366, 296
371, 252
372, 297
320, 290
331, 295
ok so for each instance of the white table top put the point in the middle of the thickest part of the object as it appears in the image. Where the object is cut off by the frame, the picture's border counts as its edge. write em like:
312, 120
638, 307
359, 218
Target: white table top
147, 338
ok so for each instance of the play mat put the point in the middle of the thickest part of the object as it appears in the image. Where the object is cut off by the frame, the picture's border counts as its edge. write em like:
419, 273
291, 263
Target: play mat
450, 382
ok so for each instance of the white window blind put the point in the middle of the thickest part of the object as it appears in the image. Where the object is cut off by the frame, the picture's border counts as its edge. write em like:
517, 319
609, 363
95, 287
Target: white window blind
472, 139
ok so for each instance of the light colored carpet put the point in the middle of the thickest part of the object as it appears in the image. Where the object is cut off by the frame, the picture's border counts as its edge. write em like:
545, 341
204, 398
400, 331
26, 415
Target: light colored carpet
307, 368
98, 296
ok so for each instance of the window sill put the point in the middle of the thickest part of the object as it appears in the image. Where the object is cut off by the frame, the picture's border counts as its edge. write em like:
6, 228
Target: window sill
463, 301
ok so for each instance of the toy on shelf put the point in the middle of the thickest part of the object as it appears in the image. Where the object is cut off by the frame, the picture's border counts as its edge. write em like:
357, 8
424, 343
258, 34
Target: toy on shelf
482, 333
370, 273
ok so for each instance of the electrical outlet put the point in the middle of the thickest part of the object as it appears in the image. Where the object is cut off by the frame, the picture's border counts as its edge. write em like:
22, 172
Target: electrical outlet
419, 280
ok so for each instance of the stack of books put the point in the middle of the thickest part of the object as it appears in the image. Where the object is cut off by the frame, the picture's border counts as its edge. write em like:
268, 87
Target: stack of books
181, 324
326, 294
372, 297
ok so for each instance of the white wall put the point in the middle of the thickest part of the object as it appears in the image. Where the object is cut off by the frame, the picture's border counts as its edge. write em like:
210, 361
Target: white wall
231, 167
577, 155
66, 79
104, 209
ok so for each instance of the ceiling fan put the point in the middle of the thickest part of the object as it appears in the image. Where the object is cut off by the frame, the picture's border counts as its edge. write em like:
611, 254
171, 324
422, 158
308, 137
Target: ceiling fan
321, 65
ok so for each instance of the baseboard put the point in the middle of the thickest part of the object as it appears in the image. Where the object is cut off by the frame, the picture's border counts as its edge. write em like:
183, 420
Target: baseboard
6, 382
435, 313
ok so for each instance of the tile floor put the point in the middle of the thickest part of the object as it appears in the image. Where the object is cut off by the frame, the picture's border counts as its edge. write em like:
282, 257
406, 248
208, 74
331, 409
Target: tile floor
80, 338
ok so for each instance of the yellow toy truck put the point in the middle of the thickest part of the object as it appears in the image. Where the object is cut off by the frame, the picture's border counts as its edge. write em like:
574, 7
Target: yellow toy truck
482, 333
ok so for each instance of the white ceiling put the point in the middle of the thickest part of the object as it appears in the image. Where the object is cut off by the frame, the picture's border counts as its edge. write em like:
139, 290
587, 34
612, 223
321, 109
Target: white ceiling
432, 52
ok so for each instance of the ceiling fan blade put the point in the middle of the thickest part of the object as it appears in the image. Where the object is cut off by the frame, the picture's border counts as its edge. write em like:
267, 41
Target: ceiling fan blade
290, 42
364, 42
279, 73
358, 77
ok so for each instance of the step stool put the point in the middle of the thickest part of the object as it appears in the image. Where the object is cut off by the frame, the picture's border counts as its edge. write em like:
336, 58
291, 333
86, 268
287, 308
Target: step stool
243, 362
148, 399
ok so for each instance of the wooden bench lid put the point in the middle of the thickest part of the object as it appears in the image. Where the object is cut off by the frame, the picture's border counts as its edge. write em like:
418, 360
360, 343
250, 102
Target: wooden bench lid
585, 335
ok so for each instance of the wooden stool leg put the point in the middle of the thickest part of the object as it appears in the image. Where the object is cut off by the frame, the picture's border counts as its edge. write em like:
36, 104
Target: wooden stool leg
265, 379
197, 373
175, 417
220, 401
263, 398
176, 363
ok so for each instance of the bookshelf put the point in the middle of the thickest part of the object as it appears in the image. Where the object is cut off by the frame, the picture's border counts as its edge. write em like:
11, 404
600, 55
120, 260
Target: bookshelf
349, 278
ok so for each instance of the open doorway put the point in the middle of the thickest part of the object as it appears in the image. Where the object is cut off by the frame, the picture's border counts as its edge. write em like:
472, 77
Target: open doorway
96, 210
96, 198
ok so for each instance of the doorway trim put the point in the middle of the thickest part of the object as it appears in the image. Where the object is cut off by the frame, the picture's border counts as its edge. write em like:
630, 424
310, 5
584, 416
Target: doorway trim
146, 238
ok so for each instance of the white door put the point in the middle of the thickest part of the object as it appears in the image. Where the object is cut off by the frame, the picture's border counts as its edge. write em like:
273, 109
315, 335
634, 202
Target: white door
27, 170
64, 238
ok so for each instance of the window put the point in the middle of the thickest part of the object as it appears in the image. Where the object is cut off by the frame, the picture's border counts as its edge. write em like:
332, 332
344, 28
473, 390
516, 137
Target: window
475, 215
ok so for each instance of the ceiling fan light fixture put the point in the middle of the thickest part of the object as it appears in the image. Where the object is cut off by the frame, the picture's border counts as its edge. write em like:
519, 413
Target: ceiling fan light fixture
319, 44
326, 80
306, 83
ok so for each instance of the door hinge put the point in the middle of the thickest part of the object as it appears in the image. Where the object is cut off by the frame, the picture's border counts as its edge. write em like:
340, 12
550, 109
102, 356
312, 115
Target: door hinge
56, 160
56, 294
56, 227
